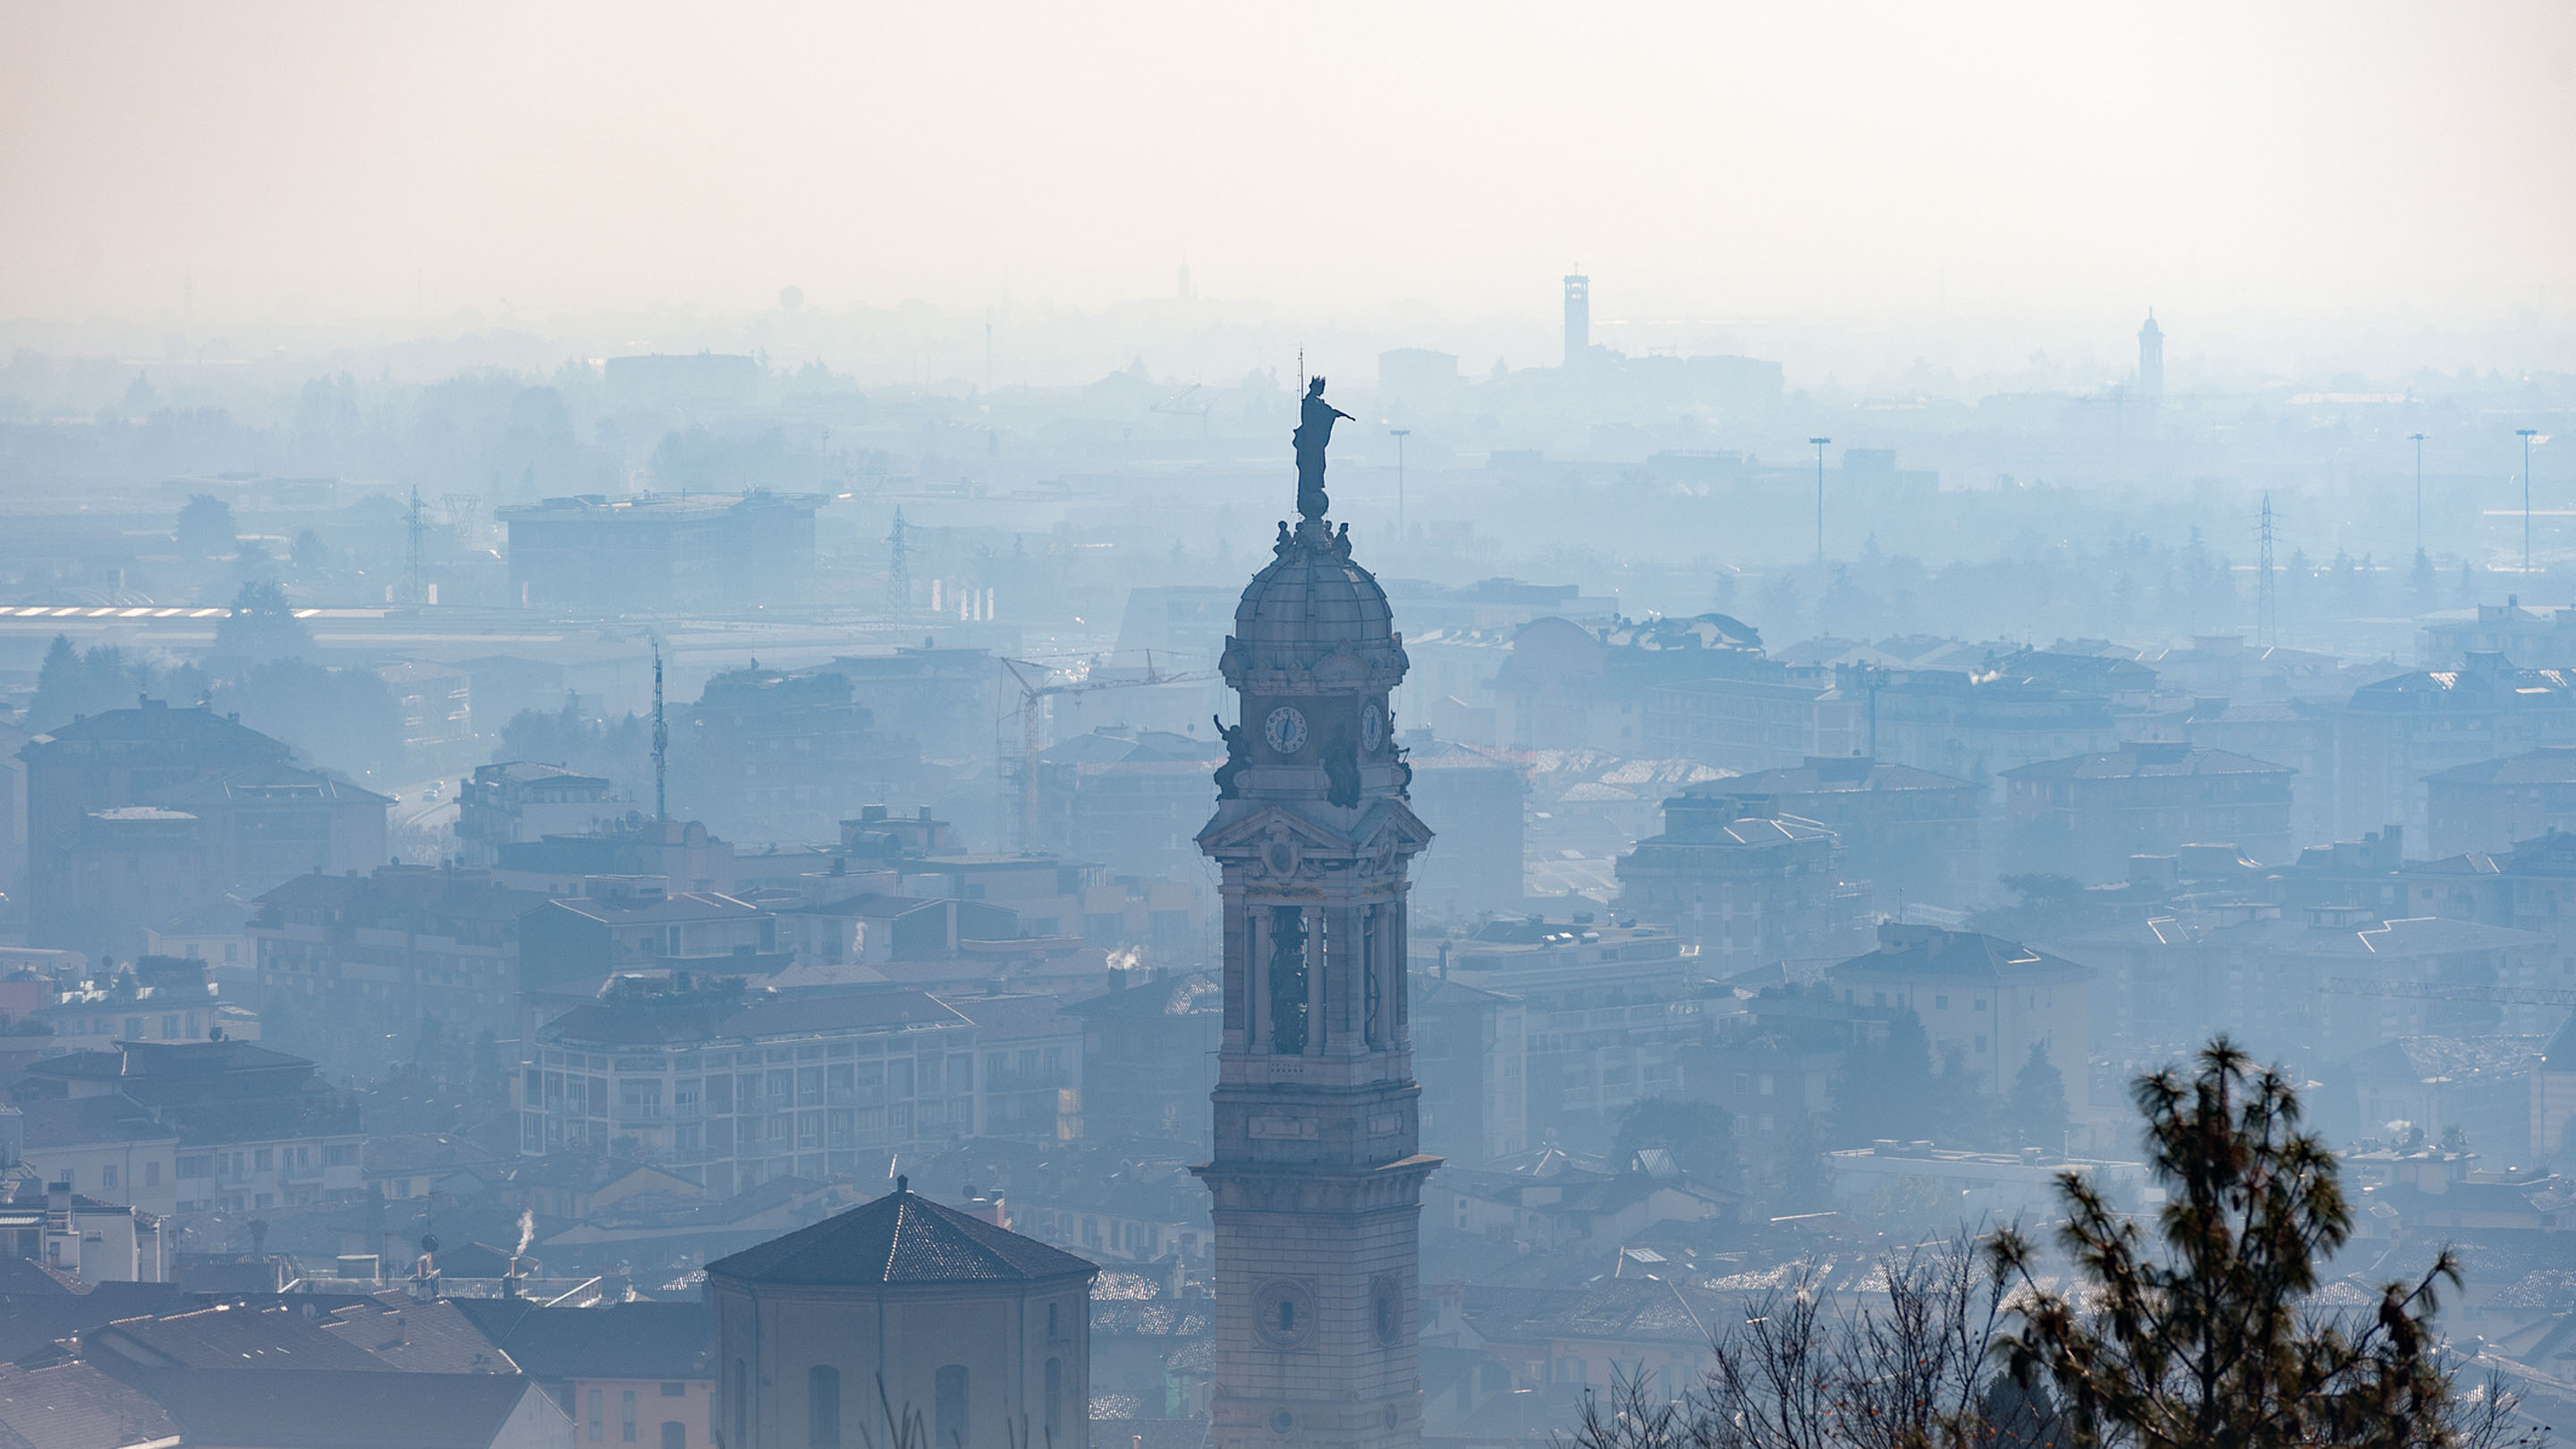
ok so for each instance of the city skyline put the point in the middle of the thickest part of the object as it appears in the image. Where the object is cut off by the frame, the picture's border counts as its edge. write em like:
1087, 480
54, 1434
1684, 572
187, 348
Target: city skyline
2294, 166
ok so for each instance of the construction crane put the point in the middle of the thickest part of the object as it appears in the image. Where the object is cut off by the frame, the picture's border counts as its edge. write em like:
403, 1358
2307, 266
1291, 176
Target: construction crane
1177, 405
1032, 692
2447, 991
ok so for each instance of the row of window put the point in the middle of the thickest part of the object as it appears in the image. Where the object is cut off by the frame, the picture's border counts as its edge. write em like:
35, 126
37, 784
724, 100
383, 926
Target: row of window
834, 1084
237, 1163
902, 1042
840, 1127
823, 1429
174, 1027
674, 1433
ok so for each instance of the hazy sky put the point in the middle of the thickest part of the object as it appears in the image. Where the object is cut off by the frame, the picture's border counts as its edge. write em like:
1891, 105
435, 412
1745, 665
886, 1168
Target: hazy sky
1715, 160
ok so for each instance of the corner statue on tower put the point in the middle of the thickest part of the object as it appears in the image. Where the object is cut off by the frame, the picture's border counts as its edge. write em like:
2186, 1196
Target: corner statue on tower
1314, 433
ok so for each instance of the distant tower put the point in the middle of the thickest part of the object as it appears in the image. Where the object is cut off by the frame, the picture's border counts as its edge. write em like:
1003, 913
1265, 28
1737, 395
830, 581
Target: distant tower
2267, 604
1317, 1172
1578, 319
2151, 362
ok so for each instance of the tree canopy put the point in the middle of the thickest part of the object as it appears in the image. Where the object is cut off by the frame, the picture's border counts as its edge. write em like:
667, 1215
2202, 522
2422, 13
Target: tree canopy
2199, 1329
73, 682
1700, 1136
261, 627
1886, 1089
205, 527
2205, 1337
2036, 1115
343, 719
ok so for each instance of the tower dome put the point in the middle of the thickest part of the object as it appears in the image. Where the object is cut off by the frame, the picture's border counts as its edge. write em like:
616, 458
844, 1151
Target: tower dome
1313, 606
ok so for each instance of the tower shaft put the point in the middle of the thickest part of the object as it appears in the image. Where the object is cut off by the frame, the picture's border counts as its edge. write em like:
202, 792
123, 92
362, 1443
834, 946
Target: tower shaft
1317, 1173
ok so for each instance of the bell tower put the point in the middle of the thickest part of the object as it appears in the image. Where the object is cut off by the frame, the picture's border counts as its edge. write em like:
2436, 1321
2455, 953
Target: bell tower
1317, 1173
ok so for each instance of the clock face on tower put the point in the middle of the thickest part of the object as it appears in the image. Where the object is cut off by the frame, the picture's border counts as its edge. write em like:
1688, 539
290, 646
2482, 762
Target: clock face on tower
1285, 729
1372, 728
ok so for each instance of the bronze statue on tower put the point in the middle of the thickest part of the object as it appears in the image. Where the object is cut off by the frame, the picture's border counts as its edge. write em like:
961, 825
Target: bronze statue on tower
1314, 433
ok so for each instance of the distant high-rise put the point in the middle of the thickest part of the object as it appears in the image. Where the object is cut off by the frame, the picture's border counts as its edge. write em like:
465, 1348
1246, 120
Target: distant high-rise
2151, 361
1578, 319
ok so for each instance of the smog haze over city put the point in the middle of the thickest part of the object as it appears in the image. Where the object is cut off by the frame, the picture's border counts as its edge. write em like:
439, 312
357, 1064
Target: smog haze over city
1353, 727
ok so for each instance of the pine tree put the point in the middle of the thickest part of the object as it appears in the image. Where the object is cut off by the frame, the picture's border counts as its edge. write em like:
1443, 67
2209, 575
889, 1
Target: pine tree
261, 627
57, 681
2211, 1343
205, 527
2423, 585
2039, 1102
1886, 1088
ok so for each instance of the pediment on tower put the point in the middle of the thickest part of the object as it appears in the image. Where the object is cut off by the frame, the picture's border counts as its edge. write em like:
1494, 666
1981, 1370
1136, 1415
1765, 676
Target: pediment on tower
1342, 669
1281, 835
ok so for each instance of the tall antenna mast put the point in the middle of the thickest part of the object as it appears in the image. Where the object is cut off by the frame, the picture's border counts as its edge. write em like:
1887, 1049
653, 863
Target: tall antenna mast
2267, 607
661, 743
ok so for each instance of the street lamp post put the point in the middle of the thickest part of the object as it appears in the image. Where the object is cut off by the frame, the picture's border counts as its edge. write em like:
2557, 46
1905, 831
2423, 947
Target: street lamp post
2419, 491
2526, 434
1400, 434
1820, 501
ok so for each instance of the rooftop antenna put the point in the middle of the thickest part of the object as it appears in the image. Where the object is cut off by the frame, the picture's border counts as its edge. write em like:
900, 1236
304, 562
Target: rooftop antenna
661, 742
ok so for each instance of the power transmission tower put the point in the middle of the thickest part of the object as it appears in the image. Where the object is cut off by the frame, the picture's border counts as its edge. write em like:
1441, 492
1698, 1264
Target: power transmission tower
899, 570
2267, 604
661, 744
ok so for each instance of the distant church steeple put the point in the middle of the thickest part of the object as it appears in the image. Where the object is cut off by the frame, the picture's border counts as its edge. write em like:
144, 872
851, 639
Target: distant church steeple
2151, 361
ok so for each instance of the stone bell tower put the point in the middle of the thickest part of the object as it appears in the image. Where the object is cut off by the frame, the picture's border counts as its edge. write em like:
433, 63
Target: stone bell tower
1317, 1174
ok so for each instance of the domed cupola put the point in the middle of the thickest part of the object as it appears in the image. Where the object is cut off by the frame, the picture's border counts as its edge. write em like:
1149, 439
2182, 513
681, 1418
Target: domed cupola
1313, 621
